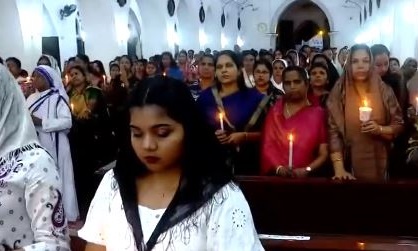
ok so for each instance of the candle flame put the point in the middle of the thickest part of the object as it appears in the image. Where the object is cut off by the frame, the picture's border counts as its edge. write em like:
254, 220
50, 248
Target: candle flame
221, 116
27, 79
164, 74
365, 103
291, 137
72, 107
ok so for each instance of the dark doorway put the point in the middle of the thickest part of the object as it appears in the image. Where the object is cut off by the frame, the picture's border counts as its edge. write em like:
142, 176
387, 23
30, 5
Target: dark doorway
301, 21
79, 41
306, 31
132, 43
285, 39
50, 46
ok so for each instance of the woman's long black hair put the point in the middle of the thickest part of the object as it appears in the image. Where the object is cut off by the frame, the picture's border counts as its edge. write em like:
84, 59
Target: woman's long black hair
204, 171
333, 74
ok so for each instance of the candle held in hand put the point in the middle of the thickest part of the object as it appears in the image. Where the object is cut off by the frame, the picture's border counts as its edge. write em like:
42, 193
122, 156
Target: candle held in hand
365, 111
291, 140
72, 107
221, 121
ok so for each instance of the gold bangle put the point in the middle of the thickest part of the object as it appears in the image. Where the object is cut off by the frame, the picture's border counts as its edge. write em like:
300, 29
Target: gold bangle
336, 157
277, 169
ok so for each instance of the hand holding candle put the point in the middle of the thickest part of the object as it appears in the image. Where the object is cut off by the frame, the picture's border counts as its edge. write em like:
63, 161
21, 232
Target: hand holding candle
365, 111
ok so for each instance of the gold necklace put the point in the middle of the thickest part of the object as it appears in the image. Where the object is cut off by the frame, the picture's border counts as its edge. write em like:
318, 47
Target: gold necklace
288, 110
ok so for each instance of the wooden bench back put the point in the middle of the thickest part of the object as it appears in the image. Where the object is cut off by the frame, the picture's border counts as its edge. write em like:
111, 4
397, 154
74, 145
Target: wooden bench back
323, 206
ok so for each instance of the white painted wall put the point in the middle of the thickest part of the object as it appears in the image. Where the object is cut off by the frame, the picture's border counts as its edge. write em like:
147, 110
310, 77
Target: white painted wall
105, 23
395, 26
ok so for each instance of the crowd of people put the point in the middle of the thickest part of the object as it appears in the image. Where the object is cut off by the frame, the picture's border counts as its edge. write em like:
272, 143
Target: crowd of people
181, 127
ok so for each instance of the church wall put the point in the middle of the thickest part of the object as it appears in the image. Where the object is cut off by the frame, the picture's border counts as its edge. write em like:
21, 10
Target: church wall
105, 26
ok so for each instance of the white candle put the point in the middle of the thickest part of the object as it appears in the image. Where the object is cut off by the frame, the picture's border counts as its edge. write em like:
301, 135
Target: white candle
416, 106
72, 107
291, 139
221, 121
365, 112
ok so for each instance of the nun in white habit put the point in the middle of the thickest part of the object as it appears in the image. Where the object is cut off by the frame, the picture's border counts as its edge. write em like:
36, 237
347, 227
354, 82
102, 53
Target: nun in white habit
51, 116
31, 210
49, 60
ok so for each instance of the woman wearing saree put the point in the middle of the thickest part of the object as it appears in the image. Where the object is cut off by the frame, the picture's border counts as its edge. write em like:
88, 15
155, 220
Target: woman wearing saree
360, 149
51, 116
294, 115
242, 111
91, 137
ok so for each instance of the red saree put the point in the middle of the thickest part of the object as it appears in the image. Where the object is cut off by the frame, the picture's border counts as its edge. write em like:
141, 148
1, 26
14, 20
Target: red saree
309, 129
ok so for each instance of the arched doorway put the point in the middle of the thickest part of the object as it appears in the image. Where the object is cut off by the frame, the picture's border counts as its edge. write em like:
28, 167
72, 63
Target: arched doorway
299, 22
134, 42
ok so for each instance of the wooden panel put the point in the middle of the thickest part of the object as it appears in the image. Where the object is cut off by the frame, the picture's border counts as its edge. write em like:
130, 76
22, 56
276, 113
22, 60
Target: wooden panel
343, 243
284, 206
337, 215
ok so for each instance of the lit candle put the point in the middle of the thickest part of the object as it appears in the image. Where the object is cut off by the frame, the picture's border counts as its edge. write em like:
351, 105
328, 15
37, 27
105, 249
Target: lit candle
104, 79
221, 121
66, 79
164, 74
416, 106
365, 112
72, 107
291, 139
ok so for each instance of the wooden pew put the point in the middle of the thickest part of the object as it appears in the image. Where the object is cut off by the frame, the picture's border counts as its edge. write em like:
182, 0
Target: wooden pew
336, 215
346, 216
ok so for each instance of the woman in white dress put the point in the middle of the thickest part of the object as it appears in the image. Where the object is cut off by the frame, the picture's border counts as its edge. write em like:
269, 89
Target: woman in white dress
171, 188
31, 210
51, 115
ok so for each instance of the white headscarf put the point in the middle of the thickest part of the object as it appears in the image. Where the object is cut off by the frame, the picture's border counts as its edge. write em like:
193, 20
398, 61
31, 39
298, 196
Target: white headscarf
53, 79
54, 63
278, 85
16, 126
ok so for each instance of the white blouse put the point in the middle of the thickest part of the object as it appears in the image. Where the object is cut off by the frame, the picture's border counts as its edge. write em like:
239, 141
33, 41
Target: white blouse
31, 208
224, 224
